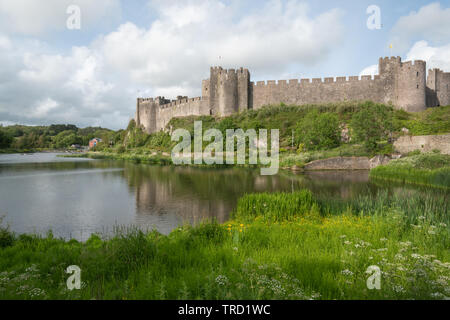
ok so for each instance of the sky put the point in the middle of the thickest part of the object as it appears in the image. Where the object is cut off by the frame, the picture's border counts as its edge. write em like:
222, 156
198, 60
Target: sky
51, 72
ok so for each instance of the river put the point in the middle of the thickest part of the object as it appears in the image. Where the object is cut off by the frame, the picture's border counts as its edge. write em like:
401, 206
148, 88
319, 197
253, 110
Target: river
75, 197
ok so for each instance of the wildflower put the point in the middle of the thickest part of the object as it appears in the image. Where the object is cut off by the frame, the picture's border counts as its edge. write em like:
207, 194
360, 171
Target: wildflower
398, 289
383, 239
221, 280
399, 256
347, 272
347, 242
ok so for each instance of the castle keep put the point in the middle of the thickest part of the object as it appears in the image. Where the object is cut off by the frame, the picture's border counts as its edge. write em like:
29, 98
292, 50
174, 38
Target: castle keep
402, 84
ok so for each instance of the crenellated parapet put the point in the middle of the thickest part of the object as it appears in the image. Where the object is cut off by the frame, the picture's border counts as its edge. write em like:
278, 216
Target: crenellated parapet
227, 91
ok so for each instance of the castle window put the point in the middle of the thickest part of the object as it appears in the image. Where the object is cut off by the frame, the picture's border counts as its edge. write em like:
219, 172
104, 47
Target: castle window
417, 86
417, 73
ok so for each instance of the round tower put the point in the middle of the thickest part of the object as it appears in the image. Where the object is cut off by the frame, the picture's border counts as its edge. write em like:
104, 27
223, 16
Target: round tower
411, 86
227, 92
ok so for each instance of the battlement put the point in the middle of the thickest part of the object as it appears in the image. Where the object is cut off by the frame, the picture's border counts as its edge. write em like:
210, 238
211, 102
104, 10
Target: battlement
438, 71
301, 82
180, 102
220, 70
227, 91
391, 59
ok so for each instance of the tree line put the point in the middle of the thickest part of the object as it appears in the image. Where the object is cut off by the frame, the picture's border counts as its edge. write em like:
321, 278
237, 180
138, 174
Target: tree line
55, 136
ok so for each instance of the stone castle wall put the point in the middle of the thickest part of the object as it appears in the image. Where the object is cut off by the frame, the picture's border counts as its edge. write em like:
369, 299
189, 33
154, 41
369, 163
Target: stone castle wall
402, 84
407, 144
307, 91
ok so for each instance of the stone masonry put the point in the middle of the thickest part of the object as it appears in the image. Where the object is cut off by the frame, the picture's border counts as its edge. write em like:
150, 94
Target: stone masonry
403, 84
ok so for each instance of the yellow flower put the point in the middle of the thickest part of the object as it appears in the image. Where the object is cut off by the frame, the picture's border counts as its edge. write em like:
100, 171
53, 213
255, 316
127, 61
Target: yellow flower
242, 225
240, 230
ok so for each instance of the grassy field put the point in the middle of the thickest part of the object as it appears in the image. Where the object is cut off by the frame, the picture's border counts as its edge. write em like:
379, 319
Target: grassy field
423, 169
278, 246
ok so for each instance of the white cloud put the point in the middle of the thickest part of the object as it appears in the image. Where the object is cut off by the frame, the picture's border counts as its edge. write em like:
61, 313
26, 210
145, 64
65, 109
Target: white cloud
98, 83
369, 71
31, 17
44, 107
436, 57
431, 22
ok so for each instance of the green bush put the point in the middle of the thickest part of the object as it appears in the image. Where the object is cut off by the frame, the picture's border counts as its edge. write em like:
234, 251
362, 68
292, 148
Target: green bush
318, 131
371, 124
6, 236
5, 140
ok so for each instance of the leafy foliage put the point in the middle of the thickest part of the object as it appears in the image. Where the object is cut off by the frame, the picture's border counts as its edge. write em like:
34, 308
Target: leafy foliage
318, 131
55, 136
372, 123
5, 140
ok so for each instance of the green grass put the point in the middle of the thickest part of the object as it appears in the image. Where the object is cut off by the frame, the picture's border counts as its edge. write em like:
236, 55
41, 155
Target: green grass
424, 169
428, 122
289, 159
305, 254
146, 157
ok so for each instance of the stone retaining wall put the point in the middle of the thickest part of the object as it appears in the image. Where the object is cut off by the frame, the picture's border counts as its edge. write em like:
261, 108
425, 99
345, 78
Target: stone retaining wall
407, 144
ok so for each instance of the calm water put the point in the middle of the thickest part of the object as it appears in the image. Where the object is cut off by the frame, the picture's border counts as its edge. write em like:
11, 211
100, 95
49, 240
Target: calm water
76, 197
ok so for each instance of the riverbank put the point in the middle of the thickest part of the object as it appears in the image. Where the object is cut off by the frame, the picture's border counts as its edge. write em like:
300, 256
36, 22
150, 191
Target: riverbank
421, 169
288, 160
278, 246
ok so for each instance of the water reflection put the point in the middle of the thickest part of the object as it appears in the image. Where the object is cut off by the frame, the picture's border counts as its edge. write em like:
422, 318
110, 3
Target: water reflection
76, 198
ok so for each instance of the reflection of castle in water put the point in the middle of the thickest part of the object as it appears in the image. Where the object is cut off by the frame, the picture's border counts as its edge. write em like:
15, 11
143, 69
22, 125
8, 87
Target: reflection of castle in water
175, 195
191, 195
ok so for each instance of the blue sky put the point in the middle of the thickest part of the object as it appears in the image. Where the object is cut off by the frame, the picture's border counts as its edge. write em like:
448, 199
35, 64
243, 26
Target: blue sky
50, 74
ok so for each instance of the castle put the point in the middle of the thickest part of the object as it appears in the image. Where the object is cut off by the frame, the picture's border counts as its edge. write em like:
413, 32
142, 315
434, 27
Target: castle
402, 84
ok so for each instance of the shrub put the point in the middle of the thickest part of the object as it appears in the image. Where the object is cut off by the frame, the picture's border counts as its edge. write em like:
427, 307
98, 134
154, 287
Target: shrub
372, 123
6, 236
318, 131
5, 140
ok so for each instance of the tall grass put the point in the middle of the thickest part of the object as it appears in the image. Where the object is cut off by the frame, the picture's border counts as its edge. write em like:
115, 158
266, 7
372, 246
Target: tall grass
425, 169
274, 206
278, 247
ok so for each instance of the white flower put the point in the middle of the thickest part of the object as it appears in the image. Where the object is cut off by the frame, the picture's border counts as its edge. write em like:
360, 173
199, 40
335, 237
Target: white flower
221, 280
347, 272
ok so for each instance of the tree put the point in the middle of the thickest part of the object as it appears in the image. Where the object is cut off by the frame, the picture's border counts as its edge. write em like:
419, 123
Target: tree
371, 124
66, 138
5, 140
318, 131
